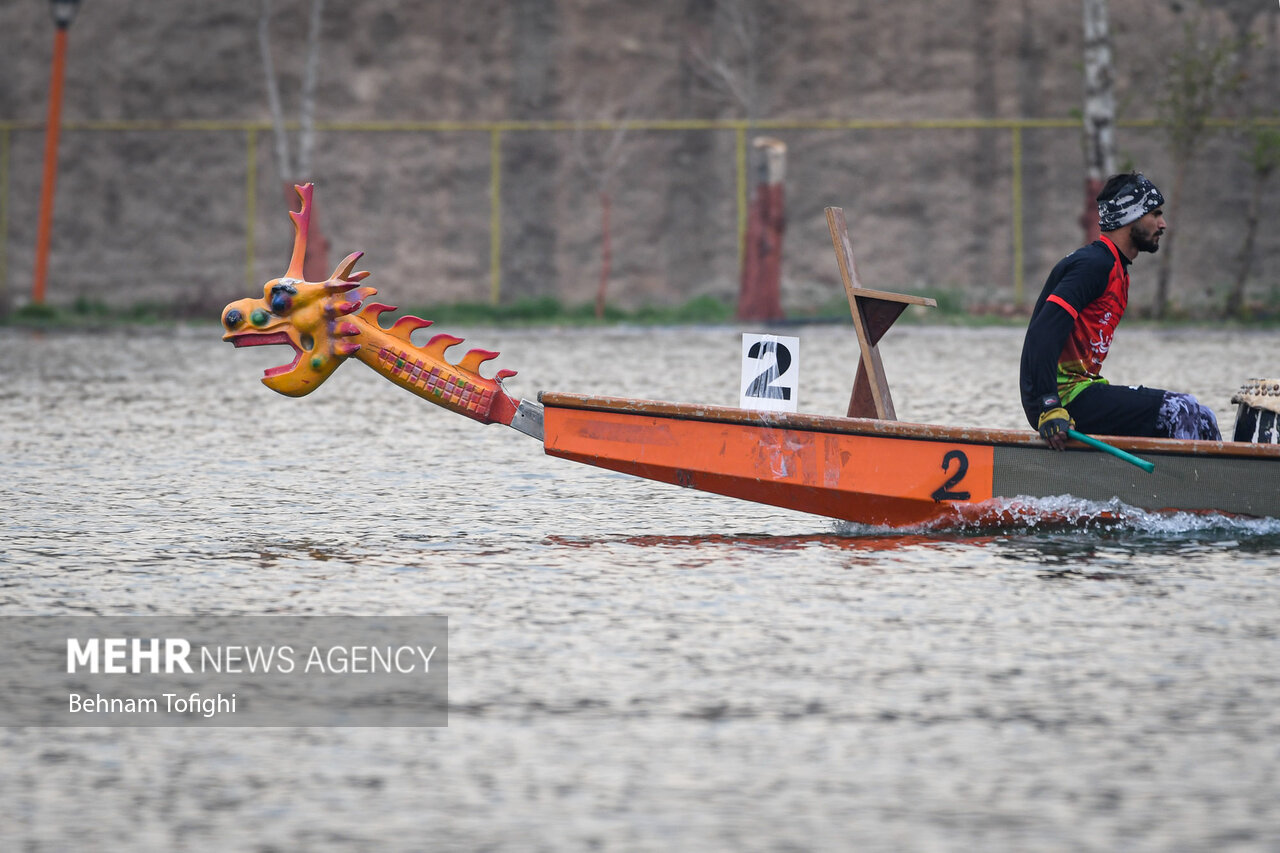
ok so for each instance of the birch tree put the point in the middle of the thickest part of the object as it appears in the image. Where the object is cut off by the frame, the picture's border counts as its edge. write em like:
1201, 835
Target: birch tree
1099, 112
290, 167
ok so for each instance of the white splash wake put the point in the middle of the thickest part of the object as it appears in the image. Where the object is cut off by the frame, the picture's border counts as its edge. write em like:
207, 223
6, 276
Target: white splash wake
1029, 514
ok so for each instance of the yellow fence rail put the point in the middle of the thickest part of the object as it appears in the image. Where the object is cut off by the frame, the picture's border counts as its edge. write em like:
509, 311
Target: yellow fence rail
497, 129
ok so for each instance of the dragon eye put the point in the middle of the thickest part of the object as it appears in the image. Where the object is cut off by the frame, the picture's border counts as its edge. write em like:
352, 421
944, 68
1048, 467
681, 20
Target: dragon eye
282, 297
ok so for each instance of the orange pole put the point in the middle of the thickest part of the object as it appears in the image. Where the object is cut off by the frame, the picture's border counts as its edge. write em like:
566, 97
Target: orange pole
52, 127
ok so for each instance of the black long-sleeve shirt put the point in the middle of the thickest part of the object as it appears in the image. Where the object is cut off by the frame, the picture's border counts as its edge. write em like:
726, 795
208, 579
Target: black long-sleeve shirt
1072, 324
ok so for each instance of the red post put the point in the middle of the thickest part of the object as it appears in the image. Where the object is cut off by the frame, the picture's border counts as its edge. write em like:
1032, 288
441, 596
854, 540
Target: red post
52, 127
760, 288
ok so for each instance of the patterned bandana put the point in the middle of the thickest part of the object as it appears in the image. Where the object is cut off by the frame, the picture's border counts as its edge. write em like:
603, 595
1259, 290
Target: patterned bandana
1138, 198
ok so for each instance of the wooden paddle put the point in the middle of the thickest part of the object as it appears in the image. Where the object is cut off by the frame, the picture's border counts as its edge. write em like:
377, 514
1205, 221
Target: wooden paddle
1114, 451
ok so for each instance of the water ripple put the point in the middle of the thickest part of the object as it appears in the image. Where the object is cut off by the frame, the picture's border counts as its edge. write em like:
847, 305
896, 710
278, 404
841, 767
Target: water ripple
635, 666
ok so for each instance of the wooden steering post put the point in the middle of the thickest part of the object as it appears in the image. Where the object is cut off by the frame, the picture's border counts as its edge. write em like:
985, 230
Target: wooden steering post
874, 311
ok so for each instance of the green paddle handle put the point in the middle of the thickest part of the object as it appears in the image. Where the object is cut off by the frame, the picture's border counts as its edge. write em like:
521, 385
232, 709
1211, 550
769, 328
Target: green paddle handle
1114, 451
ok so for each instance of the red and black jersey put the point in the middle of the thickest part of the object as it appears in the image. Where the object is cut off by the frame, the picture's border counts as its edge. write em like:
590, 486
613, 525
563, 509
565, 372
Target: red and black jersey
1072, 325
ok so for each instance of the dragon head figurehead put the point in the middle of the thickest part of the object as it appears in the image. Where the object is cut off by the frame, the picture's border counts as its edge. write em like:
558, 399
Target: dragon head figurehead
327, 322
310, 317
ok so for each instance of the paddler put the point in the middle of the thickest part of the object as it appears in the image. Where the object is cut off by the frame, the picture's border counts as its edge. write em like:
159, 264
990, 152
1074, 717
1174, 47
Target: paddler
1074, 320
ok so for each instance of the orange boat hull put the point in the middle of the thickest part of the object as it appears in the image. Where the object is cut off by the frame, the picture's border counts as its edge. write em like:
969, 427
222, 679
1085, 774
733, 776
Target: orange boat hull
852, 477
891, 473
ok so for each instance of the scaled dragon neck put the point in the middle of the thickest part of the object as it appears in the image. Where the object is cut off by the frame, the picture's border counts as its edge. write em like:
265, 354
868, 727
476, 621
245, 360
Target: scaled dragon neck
424, 371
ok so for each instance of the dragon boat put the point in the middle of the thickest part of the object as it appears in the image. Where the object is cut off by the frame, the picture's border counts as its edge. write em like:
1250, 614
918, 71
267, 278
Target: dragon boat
866, 466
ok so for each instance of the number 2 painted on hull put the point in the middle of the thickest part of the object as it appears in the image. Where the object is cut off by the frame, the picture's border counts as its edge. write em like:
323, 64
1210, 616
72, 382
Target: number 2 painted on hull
944, 492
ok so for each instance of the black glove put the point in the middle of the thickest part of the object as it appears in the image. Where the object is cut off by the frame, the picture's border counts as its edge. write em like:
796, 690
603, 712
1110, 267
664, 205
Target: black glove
1054, 423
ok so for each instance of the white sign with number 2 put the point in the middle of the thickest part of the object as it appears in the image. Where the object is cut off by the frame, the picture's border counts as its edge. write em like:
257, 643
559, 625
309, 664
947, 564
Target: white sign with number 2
770, 373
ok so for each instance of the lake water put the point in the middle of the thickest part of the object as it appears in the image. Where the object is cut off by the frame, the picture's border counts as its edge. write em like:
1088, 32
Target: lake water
635, 666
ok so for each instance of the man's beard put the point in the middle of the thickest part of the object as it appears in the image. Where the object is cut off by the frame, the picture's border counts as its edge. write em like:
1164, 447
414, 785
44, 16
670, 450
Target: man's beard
1146, 241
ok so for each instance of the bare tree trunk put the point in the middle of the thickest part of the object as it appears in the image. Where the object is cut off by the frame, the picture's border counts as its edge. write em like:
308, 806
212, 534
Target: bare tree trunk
283, 165
689, 246
291, 171
732, 63
1165, 272
1235, 299
1199, 77
1099, 113
1031, 64
307, 109
1264, 160
598, 159
984, 160
760, 292
606, 253
1263, 156
531, 161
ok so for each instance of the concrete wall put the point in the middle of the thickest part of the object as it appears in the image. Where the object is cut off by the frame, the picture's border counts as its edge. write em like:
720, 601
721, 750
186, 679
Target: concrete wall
146, 212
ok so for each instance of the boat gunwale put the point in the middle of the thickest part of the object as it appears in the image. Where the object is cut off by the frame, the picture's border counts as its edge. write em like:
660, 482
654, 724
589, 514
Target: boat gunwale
889, 429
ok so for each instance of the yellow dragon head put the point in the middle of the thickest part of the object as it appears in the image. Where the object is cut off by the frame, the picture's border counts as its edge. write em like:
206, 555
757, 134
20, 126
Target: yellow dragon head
327, 322
310, 317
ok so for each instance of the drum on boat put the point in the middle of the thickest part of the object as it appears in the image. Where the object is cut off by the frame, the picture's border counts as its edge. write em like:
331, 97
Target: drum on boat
1258, 403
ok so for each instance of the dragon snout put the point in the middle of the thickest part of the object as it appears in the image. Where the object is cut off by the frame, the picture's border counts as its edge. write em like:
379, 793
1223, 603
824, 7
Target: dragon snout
242, 317
248, 323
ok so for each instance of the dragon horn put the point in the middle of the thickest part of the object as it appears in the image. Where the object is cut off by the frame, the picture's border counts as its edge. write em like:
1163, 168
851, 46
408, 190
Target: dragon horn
301, 222
343, 271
